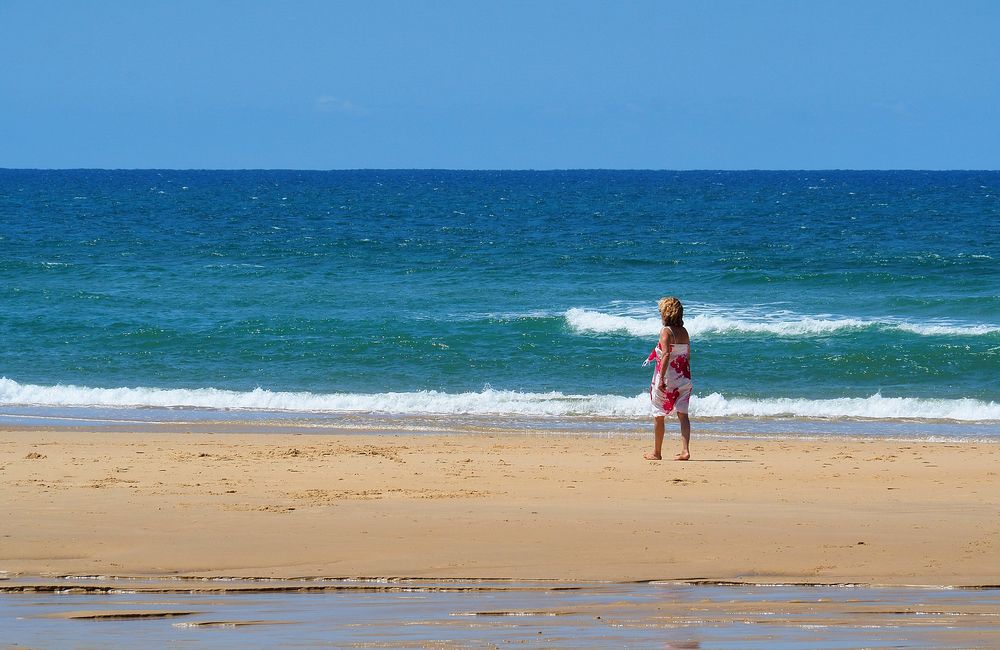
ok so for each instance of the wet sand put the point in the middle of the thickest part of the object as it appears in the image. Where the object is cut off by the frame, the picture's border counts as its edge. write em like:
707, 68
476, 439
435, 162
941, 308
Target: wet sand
553, 507
444, 614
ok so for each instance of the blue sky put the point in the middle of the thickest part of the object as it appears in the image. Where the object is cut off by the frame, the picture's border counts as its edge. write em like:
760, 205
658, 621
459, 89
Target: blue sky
538, 84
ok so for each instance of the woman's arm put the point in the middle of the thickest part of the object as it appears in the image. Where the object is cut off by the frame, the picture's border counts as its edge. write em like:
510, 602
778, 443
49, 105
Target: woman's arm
665, 356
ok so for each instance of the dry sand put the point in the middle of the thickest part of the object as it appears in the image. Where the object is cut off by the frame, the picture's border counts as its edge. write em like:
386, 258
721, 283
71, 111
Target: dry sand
497, 506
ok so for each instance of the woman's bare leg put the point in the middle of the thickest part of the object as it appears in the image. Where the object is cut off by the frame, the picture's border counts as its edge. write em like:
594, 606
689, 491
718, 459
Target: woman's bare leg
657, 440
685, 436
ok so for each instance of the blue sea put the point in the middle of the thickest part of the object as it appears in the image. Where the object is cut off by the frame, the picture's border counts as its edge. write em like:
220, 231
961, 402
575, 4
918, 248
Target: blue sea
843, 301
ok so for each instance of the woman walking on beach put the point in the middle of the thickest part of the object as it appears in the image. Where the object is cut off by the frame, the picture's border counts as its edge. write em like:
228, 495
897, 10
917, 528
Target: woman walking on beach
670, 388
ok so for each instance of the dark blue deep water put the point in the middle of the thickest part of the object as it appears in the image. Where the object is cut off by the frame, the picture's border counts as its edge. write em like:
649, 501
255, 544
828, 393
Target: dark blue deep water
810, 294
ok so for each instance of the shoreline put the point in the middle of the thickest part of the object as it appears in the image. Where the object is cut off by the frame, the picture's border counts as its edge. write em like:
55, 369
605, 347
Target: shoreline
474, 614
192, 584
497, 506
141, 420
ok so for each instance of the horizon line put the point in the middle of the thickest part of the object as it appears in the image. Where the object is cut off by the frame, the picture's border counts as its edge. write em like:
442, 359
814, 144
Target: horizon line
508, 169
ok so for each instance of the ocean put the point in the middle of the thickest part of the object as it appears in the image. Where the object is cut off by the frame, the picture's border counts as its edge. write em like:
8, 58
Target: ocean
865, 302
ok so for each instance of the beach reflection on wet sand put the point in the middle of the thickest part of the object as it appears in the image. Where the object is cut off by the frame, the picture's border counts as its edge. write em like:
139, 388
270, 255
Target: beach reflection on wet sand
56, 613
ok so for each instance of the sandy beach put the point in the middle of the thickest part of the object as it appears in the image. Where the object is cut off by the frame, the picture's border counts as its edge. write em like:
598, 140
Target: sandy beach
539, 506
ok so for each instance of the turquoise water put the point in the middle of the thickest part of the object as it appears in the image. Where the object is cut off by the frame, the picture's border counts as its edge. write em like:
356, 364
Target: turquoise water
502, 294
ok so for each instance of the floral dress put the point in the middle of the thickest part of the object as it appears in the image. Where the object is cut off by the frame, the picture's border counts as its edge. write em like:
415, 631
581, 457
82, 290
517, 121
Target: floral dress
678, 387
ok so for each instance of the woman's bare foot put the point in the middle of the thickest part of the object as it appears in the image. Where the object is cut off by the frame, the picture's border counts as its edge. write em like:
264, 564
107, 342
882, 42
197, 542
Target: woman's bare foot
684, 455
652, 456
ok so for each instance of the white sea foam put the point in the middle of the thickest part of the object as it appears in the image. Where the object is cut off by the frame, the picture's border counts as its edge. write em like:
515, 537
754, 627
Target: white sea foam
492, 402
874, 407
585, 320
931, 329
486, 402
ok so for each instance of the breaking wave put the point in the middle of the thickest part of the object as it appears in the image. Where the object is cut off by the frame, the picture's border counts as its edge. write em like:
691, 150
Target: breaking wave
585, 320
492, 402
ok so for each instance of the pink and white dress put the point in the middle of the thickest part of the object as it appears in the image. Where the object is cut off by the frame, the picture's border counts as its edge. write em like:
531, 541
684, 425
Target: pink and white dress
678, 387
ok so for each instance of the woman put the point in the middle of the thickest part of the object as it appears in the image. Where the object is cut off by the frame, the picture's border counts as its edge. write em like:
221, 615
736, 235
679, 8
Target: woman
670, 388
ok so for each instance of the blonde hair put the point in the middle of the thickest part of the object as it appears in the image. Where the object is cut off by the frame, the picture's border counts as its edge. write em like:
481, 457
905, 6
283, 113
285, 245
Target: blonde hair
671, 311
